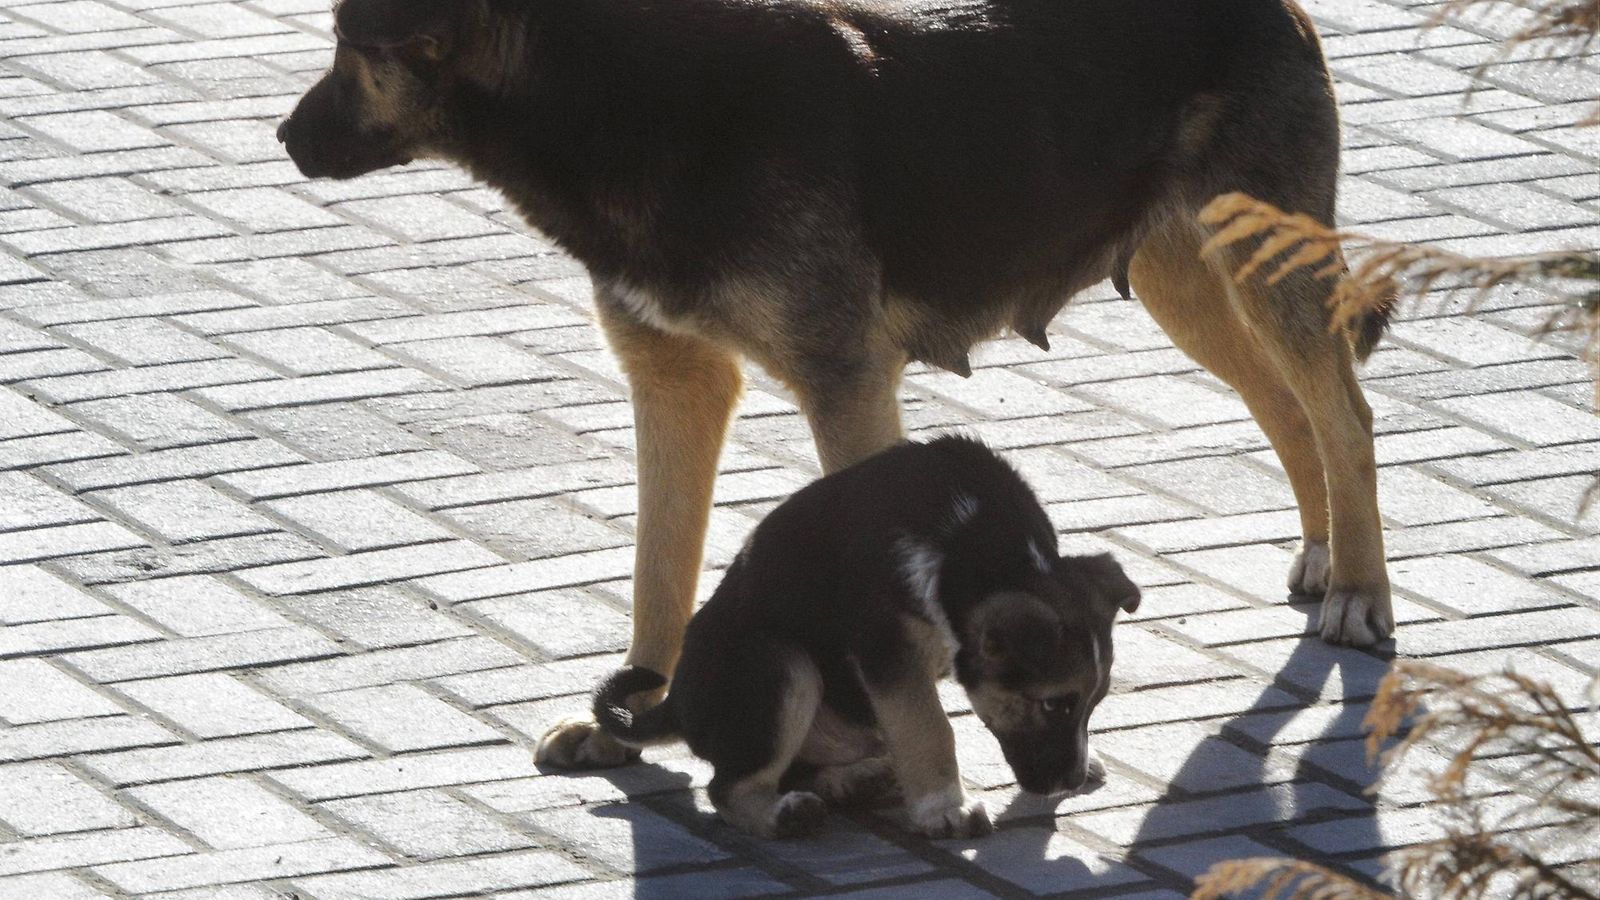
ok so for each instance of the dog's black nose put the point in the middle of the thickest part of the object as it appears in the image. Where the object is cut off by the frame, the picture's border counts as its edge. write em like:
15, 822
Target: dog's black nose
283, 131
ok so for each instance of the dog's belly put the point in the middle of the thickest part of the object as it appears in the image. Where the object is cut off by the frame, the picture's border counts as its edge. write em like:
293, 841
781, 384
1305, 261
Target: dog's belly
833, 741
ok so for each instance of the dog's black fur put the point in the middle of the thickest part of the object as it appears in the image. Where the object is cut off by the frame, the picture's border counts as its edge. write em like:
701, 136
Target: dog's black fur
831, 188
996, 155
835, 574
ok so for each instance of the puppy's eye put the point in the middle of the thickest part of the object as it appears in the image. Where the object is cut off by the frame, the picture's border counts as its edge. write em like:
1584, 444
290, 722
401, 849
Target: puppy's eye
1055, 704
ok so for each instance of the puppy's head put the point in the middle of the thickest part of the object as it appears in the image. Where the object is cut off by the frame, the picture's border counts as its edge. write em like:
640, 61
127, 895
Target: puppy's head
1035, 662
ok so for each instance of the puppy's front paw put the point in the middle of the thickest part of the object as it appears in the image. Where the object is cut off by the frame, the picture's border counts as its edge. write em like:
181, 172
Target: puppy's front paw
798, 813
578, 743
949, 813
1094, 771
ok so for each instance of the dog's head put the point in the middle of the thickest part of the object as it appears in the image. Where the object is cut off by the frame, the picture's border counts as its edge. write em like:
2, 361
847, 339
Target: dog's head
387, 98
1036, 662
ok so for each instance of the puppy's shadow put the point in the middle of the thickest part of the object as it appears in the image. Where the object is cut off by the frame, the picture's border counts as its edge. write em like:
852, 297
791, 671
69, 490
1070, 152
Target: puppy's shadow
1318, 774
636, 827
1029, 852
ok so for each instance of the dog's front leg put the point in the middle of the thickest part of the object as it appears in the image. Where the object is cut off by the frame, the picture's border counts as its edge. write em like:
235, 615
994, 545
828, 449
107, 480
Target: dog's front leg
852, 409
922, 746
683, 391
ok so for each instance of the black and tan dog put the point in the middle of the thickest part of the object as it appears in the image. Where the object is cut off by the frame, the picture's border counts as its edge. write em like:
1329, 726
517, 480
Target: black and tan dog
821, 648
835, 187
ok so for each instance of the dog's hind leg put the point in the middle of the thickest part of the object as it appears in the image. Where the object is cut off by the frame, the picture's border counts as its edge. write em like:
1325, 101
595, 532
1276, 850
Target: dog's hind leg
1290, 322
749, 797
683, 391
1185, 296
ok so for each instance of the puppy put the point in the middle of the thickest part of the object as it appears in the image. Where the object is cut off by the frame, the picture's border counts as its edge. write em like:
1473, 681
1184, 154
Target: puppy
810, 675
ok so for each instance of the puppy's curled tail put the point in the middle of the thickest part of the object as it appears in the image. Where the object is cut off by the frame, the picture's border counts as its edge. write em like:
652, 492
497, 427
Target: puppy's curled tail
656, 725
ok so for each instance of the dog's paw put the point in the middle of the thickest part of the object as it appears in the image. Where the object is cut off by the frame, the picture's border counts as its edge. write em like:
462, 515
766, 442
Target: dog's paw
1357, 617
797, 814
578, 743
950, 814
1308, 575
859, 783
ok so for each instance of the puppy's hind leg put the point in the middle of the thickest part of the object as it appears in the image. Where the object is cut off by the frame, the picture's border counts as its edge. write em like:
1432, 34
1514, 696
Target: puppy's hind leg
745, 792
863, 782
684, 390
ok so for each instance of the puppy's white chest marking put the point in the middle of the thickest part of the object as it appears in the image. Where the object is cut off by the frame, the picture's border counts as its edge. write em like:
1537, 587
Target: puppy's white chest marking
919, 567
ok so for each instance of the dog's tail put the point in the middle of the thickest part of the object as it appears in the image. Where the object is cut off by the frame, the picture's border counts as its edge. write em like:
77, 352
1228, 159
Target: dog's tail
1367, 330
656, 725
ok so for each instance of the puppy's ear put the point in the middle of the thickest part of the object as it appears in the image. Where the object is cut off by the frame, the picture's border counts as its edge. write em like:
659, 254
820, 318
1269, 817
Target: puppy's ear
1016, 632
392, 23
1100, 577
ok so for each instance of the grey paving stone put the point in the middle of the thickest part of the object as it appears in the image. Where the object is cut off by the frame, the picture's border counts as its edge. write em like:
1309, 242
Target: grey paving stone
1043, 861
33, 594
58, 885
229, 812
451, 767
41, 798
400, 718
39, 638
48, 739
201, 654
626, 837
391, 665
357, 520
497, 873
244, 864
215, 757
428, 824
53, 695
212, 705
270, 484
89, 848
715, 884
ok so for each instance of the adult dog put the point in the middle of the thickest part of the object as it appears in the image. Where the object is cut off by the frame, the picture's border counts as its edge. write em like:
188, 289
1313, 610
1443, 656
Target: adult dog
835, 187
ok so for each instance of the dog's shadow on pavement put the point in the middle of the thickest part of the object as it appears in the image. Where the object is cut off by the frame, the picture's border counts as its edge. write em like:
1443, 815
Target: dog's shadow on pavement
1296, 755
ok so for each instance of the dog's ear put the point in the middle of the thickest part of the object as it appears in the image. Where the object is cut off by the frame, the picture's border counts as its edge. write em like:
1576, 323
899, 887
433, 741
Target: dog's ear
393, 23
1100, 577
1016, 632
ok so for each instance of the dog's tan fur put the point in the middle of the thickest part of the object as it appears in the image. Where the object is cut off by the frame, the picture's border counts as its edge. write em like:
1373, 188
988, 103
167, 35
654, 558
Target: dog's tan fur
841, 277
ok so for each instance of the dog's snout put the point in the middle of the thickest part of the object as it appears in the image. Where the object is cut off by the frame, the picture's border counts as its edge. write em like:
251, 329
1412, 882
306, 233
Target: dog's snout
283, 132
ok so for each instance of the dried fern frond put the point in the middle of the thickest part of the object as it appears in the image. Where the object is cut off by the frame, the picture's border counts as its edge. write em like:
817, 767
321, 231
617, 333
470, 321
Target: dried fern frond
1470, 864
1281, 243
1477, 717
1279, 879
1496, 843
1572, 22
1484, 723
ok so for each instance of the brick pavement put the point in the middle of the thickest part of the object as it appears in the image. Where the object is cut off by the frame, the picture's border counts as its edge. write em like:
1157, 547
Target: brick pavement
316, 505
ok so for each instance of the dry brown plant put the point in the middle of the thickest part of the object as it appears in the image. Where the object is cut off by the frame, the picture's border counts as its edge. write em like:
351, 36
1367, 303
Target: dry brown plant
1279, 879
1283, 242
1522, 777
1570, 26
